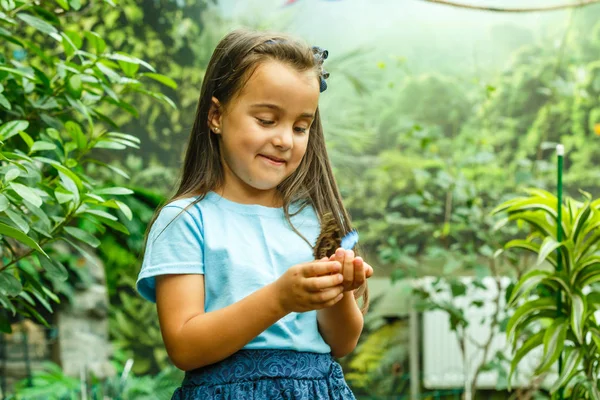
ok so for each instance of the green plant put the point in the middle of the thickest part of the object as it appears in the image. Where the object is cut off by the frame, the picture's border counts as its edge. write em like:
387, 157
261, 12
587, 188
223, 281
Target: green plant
60, 90
565, 324
129, 313
50, 383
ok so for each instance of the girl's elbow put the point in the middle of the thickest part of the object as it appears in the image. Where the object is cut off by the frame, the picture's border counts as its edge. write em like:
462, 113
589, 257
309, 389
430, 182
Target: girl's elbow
182, 358
344, 349
185, 363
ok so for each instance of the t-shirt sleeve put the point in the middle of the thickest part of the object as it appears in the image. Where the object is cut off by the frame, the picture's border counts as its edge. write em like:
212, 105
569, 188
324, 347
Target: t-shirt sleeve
174, 246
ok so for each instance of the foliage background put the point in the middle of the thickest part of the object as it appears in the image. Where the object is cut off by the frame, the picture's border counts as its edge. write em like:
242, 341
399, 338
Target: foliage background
435, 117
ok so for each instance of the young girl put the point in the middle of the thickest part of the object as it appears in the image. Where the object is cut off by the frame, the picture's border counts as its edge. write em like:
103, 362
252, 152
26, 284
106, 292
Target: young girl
243, 306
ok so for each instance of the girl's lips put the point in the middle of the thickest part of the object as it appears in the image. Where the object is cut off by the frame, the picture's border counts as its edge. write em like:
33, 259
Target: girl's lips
273, 160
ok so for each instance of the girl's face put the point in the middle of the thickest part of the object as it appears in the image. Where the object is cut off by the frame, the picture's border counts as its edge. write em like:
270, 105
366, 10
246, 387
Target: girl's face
264, 130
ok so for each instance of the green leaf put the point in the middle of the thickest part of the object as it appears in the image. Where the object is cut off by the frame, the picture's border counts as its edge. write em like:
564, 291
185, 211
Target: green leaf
26, 193
101, 213
42, 217
578, 311
527, 283
84, 253
18, 220
54, 134
582, 219
119, 227
539, 193
125, 210
158, 96
75, 38
593, 225
4, 203
12, 174
27, 297
54, 269
40, 146
21, 237
74, 86
563, 281
68, 45
531, 343
42, 300
537, 220
76, 4
63, 170
125, 136
26, 138
165, 80
548, 246
38, 24
96, 41
115, 191
106, 144
573, 360
17, 72
588, 276
554, 341
82, 235
74, 130
63, 4
34, 313
12, 128
4, 102
527, 309
8, 5
582, 264
9, 285
63, 195
81, 108
129, 59
527, 245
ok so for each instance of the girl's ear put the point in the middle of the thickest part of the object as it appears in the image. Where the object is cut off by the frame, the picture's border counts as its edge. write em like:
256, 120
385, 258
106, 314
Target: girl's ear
214, 116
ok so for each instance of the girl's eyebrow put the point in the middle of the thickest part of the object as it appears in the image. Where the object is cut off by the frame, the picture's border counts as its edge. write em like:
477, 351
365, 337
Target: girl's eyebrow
277, 108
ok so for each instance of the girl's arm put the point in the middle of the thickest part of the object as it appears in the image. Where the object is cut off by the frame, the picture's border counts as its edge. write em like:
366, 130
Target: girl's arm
341, 325
194, 338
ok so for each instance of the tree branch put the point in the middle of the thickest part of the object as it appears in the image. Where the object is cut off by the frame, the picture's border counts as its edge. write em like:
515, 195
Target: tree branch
581, 3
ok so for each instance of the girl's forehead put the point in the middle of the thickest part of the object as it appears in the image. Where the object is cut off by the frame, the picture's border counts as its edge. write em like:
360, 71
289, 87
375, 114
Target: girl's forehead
274, 81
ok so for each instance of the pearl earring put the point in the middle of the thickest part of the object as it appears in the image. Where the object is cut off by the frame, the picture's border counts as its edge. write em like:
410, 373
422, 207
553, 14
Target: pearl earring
216, 130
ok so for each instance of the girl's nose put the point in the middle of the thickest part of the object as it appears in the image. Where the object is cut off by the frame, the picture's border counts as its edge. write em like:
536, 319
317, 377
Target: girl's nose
284, 138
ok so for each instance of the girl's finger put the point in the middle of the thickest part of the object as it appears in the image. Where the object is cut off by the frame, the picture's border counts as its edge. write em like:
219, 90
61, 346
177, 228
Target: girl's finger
368, 269
347, 267
320, 268
319, 283
325, 295
359, 272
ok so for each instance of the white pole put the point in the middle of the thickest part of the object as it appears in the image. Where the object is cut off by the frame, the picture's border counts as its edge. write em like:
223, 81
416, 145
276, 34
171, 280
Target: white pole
467, 367
415, 381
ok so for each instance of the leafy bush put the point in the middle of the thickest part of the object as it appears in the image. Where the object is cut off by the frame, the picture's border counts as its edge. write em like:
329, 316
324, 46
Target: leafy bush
556, 300
60, 91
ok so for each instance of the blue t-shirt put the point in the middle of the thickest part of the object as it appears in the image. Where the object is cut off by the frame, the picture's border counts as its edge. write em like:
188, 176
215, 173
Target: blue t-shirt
239, 248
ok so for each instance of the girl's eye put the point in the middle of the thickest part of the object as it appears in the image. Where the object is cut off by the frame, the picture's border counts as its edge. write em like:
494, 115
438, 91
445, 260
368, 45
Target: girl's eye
265, 122
300, 130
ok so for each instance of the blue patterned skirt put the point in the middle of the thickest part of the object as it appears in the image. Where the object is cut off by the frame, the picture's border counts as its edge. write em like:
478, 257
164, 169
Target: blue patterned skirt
267, 375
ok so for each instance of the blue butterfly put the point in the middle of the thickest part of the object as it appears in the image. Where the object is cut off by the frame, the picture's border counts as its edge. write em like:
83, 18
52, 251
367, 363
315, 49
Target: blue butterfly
350, 240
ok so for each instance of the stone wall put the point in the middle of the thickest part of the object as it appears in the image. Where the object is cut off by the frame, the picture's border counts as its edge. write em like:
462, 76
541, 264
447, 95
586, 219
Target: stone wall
78, 340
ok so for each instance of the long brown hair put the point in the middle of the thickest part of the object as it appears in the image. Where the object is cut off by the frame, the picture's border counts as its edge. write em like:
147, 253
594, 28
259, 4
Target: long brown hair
236, 56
